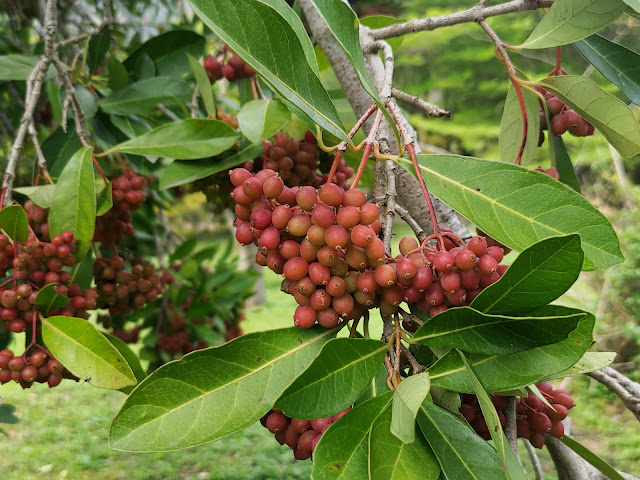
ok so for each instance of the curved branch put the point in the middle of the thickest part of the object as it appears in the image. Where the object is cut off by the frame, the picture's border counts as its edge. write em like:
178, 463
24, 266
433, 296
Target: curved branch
625, 388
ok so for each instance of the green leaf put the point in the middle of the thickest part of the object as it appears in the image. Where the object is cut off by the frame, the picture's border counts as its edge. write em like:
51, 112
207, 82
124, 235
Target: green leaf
104, 200
511, 127
477, 332
118, 76
618, 64
204, 85
73, 207
144, 96
342, 453
188, 139
377, 385
13, 220
260, 119
590, 362
519, 207
41, 195
97, 49
612, 117
179, 173
571, 20
169, 52
634, 4
214, 392
407, 399
488, 412
500, 373
86, 352
462, 454
338, 376
132, 360
59, 147
265, 40
562, 163
131, 127
144, 68
391, 459
539, 275
19, 67
48, 299
592, 458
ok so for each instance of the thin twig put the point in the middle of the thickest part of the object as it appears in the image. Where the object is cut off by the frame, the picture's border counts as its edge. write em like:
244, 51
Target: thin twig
510, 427
71, 99
409, 220
426, 107
535, 461
415, 365
625, 388
194, 102
387, 53
108, 21
168, 113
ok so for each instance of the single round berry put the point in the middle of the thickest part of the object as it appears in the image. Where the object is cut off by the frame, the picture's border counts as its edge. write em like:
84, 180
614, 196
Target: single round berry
276, 422
295, 269
385, 275
304, 317
443, 261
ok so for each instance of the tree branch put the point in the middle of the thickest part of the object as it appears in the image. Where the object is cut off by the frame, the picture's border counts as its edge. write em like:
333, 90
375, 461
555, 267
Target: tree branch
625, 388
426, 107
535, 460
72, 100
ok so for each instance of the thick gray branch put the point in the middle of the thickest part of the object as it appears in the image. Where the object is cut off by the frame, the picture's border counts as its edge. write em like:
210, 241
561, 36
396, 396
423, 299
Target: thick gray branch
625, 388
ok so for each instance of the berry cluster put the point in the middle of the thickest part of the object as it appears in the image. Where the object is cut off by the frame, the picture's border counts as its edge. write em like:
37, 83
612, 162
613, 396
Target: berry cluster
562, 118
534, 417
127, 192
301, 436
178, 340
232, 68
25, 369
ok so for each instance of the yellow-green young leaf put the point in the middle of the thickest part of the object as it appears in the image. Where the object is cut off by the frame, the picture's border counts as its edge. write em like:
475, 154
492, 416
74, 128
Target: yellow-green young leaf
342, 452
13, 220
259, 34
86, 352
517, 206
214, 392
590, 362
204, 85
340, 373
562, 163
73, 207
609, 115
511, 127
392, 459
145, 95
48, 299
571, 20
132, 360
407, 399
188, 139
260, 119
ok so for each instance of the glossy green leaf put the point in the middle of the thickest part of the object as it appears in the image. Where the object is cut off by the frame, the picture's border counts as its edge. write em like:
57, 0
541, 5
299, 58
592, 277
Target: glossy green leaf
13, 220
571, 20
188, 139
266, 41
338, 376
477, 332
42, 195
169, 52
59, 147
48, 299
392, 459
73, 207
97, 49
500, 373
462, 454
377, 385
104, 200
446, 399
144, 68
260, 119
407, 399
539, 275
610, 116
144, 96
181, 172
590, 362
131, 126
618, 64
518, 206
204, 85
19, 67
511, 127
132, 360
562, 163
86, 352
610, 472
179, 405
118, 76
342, 452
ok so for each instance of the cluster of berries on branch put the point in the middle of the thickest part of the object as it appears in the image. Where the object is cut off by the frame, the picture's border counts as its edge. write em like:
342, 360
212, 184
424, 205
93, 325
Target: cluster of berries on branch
26, 369
232, 68
562, 118
534, 418
301, 436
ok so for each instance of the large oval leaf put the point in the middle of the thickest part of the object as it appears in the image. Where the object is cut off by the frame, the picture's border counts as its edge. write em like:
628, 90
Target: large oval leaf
392, 459
338, 376
342, 453
462, 454
132, 360
500, 373
86, 352
73, 207
477, 332
589, 362
511, 127
214, 392
539, 275
519, 207
145, 95
618, 64
265, 40
188, 139
260, 119
609, 115
13, 220
571, 20
407, 399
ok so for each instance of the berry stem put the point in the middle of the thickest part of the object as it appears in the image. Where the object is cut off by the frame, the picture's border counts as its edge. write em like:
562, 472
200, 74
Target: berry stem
334, 165
434, 220
97, 165
558, 59
525, 121
354, 326
363, 163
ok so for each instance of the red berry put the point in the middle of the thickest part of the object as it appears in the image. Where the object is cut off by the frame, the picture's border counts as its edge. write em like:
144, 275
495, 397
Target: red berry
304, 317
295, 268
276, 422
443, 261
487, 265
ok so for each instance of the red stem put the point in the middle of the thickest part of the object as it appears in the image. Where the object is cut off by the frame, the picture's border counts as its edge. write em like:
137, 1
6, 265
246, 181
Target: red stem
334, 165
558, 59
97, 165
525, 122
363, 163
434, 220
2, 194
